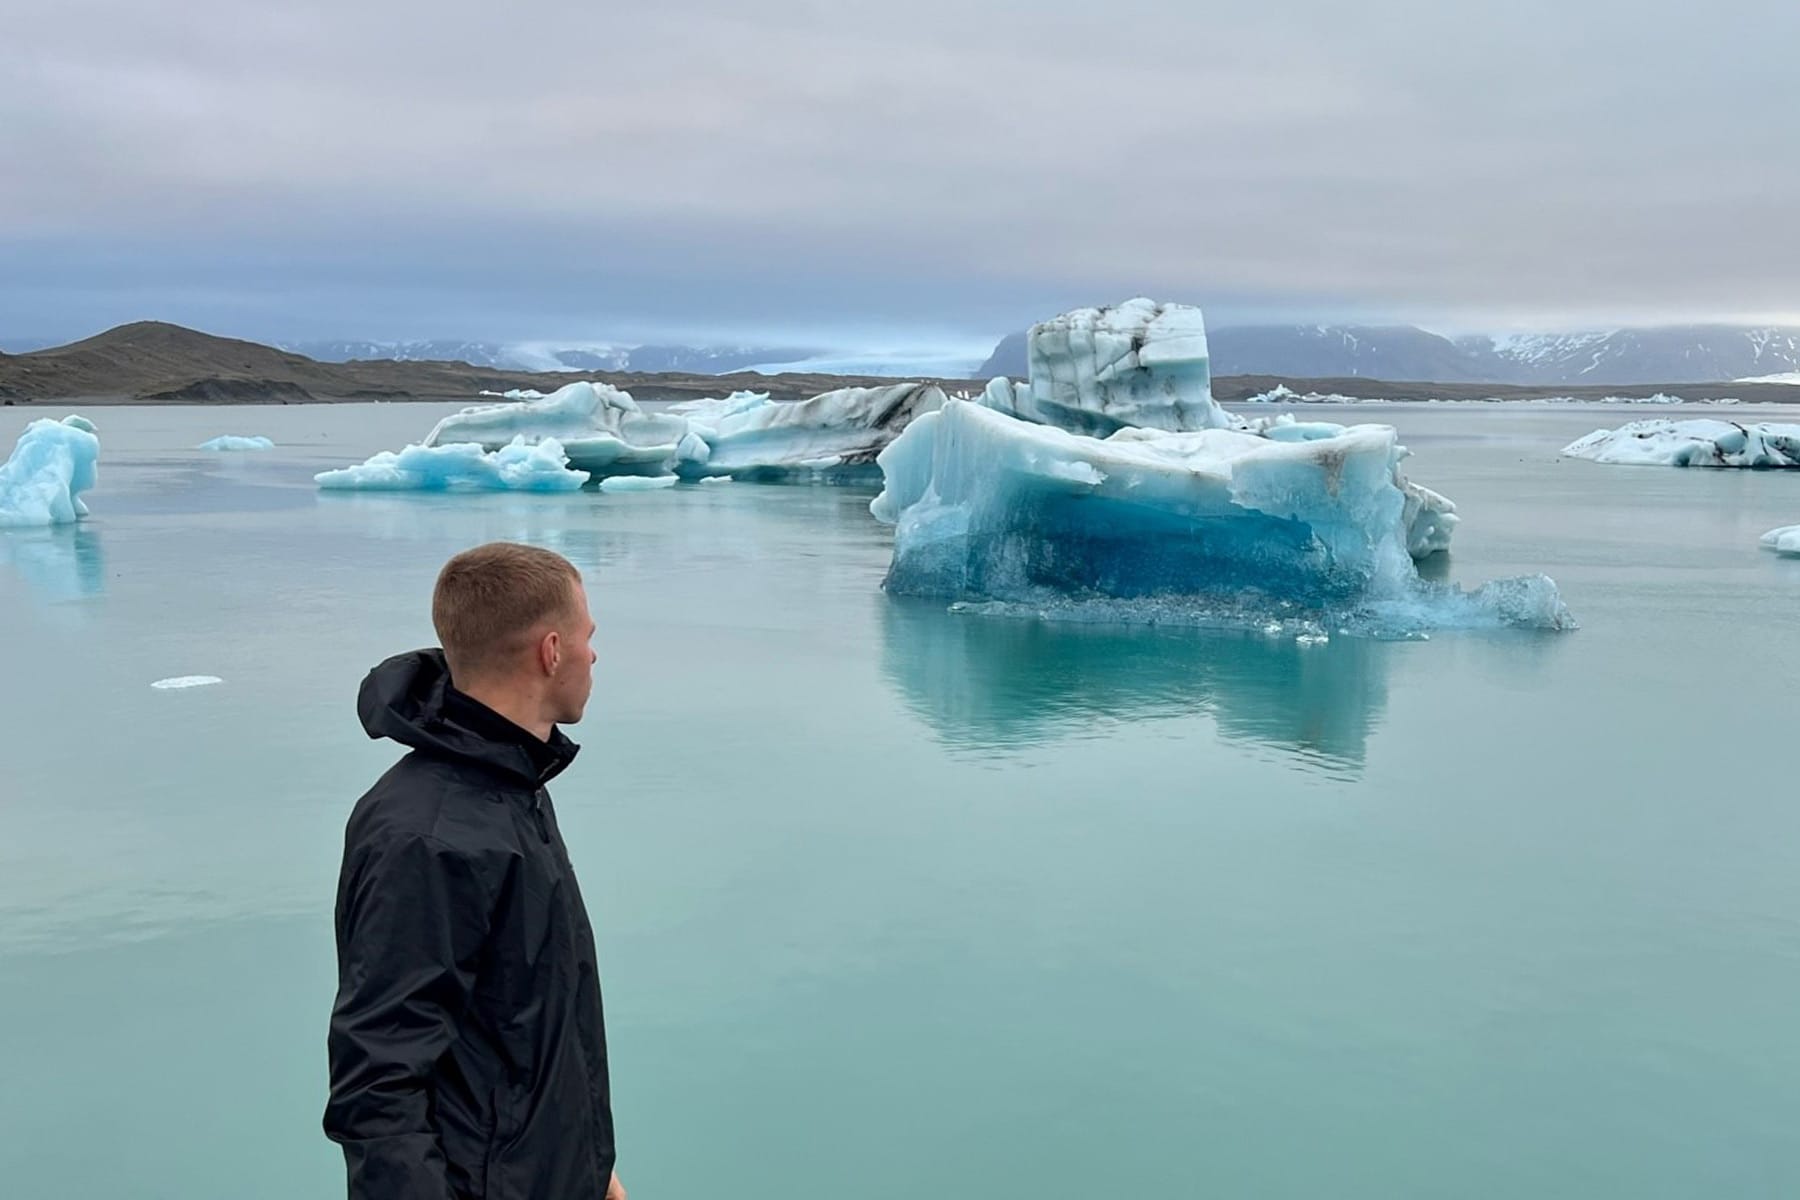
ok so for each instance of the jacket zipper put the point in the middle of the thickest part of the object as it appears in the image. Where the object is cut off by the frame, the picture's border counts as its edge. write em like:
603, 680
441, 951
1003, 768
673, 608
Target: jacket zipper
537, 811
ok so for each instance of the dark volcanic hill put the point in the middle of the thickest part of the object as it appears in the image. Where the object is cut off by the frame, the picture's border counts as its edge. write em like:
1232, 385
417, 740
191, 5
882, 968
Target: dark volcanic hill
154, 362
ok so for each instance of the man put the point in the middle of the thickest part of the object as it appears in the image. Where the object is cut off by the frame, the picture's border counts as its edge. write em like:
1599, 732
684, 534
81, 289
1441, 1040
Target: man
468, 1052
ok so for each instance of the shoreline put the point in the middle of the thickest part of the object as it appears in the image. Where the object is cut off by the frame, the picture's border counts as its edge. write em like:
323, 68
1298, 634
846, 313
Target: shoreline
1241, 390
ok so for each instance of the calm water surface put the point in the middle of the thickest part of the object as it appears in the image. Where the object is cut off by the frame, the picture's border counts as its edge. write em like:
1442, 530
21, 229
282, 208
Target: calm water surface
895, 902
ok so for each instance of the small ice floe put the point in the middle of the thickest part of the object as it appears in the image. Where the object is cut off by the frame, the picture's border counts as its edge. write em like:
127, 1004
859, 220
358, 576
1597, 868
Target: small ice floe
637, 483
185, 681
1784, 541
229, 441
516, 466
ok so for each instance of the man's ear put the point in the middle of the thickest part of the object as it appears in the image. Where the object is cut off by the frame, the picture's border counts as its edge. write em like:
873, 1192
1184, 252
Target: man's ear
550, 652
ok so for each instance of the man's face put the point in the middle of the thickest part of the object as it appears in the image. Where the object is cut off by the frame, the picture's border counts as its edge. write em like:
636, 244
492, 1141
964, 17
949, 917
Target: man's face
573, 680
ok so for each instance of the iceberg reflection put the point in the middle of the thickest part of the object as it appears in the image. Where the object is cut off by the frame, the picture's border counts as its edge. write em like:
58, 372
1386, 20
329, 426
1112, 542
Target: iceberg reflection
994, 683
60, 562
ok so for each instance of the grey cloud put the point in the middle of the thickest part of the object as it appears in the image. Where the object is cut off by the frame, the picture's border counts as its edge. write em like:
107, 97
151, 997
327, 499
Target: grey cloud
932, 162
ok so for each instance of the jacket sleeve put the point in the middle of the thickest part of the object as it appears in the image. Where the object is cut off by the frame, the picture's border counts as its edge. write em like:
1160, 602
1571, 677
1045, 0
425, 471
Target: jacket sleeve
411, 922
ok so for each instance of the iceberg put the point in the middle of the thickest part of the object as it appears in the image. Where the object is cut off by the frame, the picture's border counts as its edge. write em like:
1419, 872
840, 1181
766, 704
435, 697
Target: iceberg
600, 428
836, 435
52, 464
1143, 365
1696, 443
986, 507
516, 466
231, 442
1784, 541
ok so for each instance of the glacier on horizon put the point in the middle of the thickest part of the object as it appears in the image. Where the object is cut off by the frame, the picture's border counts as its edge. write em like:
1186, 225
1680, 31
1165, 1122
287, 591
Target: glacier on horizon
516, 466
50, 466
1702, 442
227, 441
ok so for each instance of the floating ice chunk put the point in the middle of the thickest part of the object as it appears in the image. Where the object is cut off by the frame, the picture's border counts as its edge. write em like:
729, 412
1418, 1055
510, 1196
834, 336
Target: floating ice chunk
228, 441
1282, 394
516, 466
1430, 518
186, 681
515, 394
52, 464
833, 435
988, 507
1784, 541
1697, 443
637, 483
599, 427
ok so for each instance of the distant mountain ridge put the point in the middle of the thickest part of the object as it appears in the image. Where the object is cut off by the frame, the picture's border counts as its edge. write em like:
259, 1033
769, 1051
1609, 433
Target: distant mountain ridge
555, 356
155, 362
1668, 354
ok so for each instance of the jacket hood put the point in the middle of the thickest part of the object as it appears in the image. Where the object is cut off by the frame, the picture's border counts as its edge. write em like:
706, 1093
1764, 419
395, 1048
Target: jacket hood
409, 699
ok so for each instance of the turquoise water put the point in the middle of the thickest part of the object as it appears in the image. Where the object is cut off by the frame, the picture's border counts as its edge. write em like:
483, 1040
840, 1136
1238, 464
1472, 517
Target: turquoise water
892, 900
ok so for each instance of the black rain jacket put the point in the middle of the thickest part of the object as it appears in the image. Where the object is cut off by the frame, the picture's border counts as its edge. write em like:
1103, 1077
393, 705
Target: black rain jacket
468, 1052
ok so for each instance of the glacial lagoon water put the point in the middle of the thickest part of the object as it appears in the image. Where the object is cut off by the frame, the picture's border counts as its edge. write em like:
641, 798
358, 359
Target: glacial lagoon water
896, 901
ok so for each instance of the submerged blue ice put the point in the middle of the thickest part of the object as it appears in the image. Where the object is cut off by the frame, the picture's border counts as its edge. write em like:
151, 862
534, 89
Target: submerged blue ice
52, 464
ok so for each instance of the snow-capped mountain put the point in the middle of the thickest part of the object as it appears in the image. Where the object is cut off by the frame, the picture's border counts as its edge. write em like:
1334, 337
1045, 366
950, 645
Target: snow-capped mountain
1673, 354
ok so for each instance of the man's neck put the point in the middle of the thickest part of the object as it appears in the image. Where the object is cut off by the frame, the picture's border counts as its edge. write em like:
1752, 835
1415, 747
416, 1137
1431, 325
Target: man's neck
520, 710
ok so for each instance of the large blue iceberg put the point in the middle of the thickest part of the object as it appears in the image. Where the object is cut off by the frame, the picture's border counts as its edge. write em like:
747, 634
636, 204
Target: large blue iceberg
1002, 501
52, 464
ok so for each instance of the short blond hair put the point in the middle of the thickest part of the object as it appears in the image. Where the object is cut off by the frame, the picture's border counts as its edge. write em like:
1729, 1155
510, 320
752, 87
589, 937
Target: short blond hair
488, 599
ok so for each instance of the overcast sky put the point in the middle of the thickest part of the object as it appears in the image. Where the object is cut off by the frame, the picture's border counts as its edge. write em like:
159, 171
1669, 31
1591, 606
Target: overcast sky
936, 169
